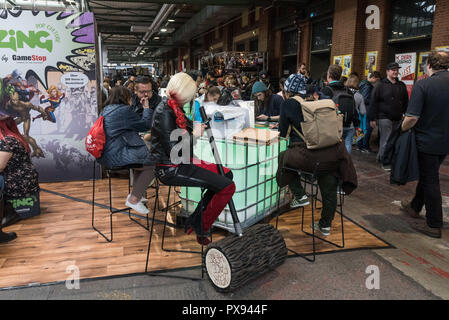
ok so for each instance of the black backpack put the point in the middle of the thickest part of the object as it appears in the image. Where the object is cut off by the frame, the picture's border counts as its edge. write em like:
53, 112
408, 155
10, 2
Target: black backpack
345, 102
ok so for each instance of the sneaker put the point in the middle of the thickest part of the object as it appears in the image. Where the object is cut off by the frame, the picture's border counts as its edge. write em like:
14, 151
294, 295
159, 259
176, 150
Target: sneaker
297, 203
144, 200
139, 206
324, 231
386, 168
365, 150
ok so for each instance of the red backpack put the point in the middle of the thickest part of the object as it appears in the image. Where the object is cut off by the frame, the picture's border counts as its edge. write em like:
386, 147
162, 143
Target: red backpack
96, 138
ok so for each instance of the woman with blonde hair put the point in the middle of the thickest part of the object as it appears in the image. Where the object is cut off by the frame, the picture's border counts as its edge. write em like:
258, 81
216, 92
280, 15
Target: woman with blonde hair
172, 137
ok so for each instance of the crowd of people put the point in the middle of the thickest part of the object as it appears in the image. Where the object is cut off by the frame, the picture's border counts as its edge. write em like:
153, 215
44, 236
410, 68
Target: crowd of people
139, 126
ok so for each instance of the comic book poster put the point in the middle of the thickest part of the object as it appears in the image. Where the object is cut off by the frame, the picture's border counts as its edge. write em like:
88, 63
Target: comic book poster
407, 73
371, 62
48, 85
347, 65
422, 65
338, 60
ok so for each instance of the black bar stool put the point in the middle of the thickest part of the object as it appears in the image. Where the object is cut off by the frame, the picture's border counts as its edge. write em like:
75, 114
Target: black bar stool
111, 209
166, 209
309, 182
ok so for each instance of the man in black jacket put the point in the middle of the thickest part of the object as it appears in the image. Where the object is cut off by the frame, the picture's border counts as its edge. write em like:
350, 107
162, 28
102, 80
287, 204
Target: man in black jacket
389, 102
428, 114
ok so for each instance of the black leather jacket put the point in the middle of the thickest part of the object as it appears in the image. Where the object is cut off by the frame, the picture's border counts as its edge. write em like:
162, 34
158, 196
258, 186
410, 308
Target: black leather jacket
164, 123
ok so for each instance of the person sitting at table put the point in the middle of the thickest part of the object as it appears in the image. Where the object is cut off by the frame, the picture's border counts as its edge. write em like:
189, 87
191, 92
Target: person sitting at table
267, 105
333, 162
18, 173
124, 146
172, 137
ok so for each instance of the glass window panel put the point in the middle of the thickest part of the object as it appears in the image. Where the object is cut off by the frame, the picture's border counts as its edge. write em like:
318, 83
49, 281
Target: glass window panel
322, 34
412, 18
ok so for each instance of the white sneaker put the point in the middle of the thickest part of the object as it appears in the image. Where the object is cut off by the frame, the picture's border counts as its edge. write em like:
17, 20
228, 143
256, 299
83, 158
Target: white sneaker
139, 206
144, 200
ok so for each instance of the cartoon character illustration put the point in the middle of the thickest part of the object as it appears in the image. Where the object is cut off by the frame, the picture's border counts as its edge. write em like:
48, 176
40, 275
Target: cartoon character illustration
54, 99
20, 110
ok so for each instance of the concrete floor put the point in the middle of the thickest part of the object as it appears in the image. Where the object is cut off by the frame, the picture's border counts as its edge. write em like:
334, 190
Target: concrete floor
417, 268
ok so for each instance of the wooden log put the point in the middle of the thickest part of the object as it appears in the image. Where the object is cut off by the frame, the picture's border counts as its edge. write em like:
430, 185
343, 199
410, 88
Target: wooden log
234, 261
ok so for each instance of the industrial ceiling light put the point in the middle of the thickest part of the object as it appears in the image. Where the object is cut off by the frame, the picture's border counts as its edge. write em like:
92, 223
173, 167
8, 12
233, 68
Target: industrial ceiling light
163, 30
171, 20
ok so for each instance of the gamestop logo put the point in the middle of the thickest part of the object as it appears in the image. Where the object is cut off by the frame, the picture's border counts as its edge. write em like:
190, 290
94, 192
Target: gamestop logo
34, 58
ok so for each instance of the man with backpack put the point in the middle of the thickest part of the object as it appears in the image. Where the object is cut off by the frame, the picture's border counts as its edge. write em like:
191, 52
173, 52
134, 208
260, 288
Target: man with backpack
323, 154
388, 104
344, 100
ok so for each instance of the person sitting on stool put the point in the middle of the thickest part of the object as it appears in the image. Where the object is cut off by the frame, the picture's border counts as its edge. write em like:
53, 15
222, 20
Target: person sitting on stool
171, 143
334, 162
20, 176
124, 146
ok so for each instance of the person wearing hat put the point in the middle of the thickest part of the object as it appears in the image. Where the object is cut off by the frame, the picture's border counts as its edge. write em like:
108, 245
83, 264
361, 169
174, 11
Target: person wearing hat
334, 162
267, 106
389, 102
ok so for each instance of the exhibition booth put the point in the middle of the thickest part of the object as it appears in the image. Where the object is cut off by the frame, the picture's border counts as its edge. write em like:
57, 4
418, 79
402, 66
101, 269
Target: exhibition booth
57, 70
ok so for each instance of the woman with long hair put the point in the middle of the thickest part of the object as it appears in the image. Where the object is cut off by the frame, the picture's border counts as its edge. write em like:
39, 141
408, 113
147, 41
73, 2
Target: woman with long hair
19, 175
124, 146
172, 137
267, 106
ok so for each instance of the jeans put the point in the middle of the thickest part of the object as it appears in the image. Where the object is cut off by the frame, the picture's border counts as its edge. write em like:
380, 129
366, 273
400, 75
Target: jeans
348, 137
364, 143
328, 186
428, 191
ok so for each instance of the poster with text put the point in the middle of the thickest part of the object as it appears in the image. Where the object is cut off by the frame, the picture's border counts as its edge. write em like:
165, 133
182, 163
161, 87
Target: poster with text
371, 62
48, 86
347, 65
407, 73
422, 65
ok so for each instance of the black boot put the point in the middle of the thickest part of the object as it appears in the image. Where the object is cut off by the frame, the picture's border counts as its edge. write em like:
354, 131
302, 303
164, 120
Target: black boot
5, 237
10, 216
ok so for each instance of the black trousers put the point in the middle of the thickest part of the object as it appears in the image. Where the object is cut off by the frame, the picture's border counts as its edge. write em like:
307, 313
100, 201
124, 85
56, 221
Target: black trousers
428, 191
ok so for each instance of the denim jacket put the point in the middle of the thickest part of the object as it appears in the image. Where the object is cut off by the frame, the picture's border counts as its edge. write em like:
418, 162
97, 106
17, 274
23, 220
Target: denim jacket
124, 146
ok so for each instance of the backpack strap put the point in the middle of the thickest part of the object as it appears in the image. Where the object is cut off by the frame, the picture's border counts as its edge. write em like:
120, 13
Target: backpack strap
300, 101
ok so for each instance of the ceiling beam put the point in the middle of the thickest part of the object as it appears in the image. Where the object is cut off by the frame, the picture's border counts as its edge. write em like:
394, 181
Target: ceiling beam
221, 2
131, 45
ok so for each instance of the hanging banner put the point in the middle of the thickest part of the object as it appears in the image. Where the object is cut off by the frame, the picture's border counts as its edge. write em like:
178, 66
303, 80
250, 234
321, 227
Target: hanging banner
422, 65
407, 73
371, 62
48, 85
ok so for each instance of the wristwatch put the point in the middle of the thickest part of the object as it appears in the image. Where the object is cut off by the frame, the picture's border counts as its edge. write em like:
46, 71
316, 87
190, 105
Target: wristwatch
269, 119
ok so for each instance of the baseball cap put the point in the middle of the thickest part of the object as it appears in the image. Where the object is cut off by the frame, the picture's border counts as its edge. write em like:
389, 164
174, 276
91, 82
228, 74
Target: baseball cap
393, 65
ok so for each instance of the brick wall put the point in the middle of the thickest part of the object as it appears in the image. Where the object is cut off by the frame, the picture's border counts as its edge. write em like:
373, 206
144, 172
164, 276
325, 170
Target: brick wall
440, 35
376, 39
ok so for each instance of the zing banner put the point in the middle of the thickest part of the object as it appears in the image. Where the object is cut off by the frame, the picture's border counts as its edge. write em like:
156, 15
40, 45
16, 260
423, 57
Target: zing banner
48, 84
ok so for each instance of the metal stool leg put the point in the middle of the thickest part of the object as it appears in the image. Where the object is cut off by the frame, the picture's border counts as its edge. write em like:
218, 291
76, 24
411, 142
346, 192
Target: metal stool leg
161, 273
93, 206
